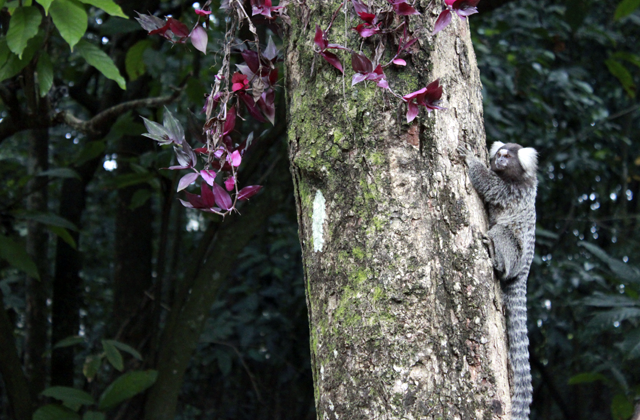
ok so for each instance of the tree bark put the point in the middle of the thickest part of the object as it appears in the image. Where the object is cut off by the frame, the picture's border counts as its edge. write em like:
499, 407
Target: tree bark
35, 343
405, 314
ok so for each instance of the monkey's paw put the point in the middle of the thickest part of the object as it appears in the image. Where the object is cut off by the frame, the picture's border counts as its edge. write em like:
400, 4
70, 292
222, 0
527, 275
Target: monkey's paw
488, 243
463, 152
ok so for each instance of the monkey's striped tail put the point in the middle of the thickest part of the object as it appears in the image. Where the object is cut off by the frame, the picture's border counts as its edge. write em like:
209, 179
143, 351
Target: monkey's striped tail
515, 296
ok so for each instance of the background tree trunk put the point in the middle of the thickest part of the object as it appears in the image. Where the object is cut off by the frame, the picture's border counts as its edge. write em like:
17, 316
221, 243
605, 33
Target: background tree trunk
404, 312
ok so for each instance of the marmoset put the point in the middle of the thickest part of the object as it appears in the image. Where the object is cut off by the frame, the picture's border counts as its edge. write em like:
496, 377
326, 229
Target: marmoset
508, 190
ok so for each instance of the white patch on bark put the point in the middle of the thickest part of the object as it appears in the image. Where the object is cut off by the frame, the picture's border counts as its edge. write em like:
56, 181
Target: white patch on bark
319, 214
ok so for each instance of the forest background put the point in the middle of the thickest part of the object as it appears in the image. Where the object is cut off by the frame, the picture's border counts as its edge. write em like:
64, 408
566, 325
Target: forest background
111, 247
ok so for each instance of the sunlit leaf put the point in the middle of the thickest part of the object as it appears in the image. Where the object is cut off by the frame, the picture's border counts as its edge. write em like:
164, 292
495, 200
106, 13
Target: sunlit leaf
108, 6
133, 62
71, 20
22, 27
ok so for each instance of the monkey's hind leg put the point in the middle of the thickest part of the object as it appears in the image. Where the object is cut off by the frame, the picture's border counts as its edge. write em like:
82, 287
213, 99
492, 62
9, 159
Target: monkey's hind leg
506, 251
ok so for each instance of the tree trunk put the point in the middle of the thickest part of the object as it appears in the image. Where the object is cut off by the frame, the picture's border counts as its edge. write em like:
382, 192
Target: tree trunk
405, 314
35, 343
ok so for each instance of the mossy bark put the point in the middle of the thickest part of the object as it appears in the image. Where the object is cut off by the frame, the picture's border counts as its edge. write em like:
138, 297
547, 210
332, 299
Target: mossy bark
405, 314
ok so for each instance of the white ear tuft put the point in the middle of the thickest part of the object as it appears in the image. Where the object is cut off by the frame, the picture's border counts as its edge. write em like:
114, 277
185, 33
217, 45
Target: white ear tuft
528, 158
494, 148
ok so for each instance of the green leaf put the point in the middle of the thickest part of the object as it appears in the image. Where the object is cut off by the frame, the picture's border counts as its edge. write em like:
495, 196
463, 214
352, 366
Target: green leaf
631, 344
64, 234
625, 8
622, 74
620, 269
133, 61
101, 61
125, 387
17, 256
45, 218
126, 348
94, 415
69, 395
108, 6
71, 20
2, 3
12, 63
45, 73
607, 318
72, 340
623, 55
91, 366
91, 150
55, 412
23, 26
139, 198
610, 301
61, 173
586, 378
113, 355
45, 4
621, 408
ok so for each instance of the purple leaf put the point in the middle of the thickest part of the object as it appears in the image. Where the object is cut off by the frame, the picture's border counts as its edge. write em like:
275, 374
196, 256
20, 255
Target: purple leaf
186, 203
357, 78
173, 127
208, 175
333, 60
337, 47
319, 39
230, 122
149, 22
383, 84
412, 111
229, 183
402, 8
266, 104
222, 197
208, 196
195, 201
271, 52
443, 20
248, 192
176, 167
199, 39
186, 156
363, 11
399, 62
414, 94
361, 64
251, 106
180, 29
366, 30
186, 180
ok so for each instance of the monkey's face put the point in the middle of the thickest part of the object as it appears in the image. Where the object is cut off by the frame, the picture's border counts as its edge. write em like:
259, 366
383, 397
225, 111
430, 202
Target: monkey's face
506, 163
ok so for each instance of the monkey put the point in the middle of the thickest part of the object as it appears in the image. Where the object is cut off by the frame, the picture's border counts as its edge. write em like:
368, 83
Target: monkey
509, 190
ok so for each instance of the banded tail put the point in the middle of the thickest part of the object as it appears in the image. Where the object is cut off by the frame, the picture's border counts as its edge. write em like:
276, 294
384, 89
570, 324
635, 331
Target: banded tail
515, 297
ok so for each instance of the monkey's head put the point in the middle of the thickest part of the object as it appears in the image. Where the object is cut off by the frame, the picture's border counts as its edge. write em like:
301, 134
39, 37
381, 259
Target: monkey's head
514, 163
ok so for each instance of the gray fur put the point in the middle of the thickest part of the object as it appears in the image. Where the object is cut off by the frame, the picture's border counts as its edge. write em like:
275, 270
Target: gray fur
509, 193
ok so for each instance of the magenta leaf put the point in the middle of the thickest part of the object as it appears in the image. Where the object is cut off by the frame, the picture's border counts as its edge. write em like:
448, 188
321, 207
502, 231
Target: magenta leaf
382, 83
402, 8
357, 78
178, 28
415, 94
465, 8
266, 104
399, 62
251, 106
186, 203
229, 183
201, 12
239, 82
230, 122
208, 175
319, 39
248, 192
199, 39
236, 159
186, 180
337, 47
208, 197
412, 111
443, 20
222, 198
361, 64
332, 59
365, 30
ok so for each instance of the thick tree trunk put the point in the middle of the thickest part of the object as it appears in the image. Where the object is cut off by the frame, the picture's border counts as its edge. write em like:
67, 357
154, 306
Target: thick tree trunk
404, 311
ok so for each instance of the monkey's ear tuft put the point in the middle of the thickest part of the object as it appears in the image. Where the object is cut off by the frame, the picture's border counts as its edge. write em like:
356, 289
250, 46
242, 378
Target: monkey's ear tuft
528, 158
494, 148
